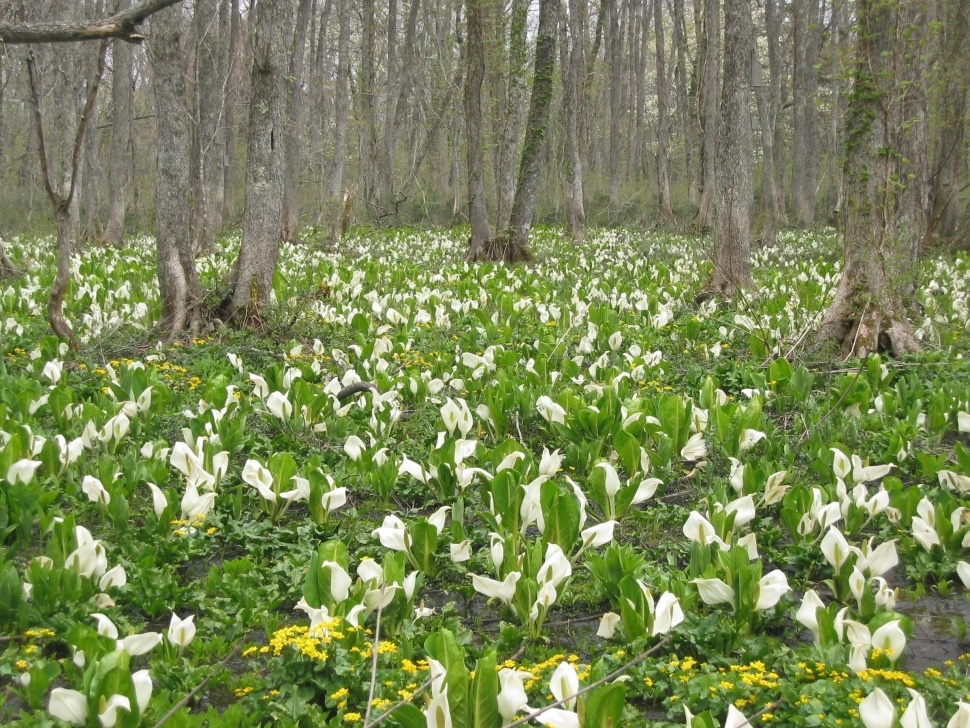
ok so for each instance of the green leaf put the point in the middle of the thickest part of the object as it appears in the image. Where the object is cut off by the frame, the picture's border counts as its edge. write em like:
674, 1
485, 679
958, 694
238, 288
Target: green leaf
484, 698
445, 649
604, 706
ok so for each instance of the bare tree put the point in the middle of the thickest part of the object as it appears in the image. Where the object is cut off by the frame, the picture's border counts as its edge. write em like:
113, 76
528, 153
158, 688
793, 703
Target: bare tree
950, 138
291, 147
709, 52
514, 103
808, 43
62, 192
574, 92
663, 122
118, 162
683, 100
253, 276
474, 76
341, 103
885, 185
178, 280
734, 179
512, 245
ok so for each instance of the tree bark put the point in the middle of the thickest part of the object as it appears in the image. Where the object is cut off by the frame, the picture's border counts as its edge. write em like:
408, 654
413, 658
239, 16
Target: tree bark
734, 179
708, 49
614, 53
124, 25
769, 192
178, 281
340, 112
231, 22
119, 161
885, 181
474, 77
773, 31
514, 102
949, 158
63, 199
513, 244
291, 172
368, 105
253, 281
208, 173
574, 87
663, 123
683, 100
808, 43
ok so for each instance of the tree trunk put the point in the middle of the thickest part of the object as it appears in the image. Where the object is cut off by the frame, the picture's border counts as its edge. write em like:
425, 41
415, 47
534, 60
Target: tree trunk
709, 59
885, 181
775, 72
474, 76
769, 193
386, 168
63, 196
574, 87
735, 187
683, 100
663, 124
341, 103
514, 101
614, 52
291, 147
808, 43
368, 105
210, 139
513, 245
253, 282
178, 280
231, 22
949, 159
119, 161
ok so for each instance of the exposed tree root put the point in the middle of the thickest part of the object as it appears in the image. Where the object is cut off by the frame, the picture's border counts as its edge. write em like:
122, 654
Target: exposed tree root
502, 248
863, 330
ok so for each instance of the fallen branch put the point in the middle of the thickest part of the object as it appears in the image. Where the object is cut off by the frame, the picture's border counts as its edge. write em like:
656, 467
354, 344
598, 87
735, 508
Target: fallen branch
124, 25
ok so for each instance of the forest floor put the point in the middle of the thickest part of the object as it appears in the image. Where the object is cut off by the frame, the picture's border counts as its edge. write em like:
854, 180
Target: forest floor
558, 473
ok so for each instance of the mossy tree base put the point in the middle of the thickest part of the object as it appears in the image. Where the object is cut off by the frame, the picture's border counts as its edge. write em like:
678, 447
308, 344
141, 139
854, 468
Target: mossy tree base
858, 324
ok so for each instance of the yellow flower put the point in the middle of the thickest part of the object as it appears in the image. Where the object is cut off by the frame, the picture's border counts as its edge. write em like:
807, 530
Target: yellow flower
352, 717
339, 694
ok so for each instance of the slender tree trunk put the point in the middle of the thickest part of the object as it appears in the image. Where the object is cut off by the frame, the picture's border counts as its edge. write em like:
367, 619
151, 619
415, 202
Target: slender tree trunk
368, 105
178, 280
614, 52
209, 135
775, 72
885, 181
523, 208
769, 193
663, 124
514, 102
231, 22
474, 76
709, 54
734, 179
118, 165
949, 158
291, 171
253, 282
574, 87
340, 112
63, 197
386, 168
683, 101
808, 43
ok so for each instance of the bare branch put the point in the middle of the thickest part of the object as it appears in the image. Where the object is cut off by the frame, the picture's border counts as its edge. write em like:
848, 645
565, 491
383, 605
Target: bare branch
125, 25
